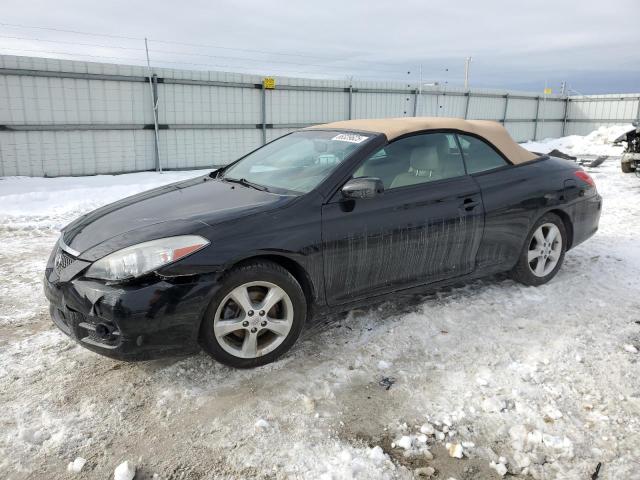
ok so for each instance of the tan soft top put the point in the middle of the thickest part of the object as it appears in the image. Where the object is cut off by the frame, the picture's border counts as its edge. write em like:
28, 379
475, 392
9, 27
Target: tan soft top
393, 128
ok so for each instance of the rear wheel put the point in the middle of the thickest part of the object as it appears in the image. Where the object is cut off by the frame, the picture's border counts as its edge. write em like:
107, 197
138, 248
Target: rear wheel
255, 317
543, 252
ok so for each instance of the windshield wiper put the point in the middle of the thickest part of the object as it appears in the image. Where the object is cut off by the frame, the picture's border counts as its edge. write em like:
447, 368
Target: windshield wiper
246, 183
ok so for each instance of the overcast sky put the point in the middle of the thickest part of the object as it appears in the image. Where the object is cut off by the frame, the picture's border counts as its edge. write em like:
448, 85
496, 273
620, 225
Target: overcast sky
514, 44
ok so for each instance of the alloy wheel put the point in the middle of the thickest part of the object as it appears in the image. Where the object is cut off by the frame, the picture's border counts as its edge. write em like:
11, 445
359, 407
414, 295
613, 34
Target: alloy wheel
545, 249
253, 319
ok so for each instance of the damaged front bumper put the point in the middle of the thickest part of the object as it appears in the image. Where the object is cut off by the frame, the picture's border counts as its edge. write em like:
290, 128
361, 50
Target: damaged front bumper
149, 318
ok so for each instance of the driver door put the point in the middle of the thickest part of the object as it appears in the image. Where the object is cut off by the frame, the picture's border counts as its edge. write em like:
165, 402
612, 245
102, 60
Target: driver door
425, 227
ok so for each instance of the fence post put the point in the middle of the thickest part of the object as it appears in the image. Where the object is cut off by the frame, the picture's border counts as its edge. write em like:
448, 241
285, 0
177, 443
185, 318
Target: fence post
2, 164
350, 100
564, 119
638, 112
416, 94
506, 108
535, 124
466, 107
264, 114
153, 89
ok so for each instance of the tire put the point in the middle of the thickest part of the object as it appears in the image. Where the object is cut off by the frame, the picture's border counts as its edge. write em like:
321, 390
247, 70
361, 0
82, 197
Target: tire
535, 265
237, 331
626, 167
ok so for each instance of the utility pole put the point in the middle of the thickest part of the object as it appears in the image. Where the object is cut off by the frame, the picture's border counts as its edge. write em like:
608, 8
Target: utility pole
467, 63
418, 94
154, 103
350, 97
544, 106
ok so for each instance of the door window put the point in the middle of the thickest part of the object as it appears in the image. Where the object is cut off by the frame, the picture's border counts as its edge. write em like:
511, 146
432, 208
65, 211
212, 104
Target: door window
414, 160
479, 155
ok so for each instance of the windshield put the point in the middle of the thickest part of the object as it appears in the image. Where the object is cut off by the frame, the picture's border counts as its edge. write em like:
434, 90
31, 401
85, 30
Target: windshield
297, 162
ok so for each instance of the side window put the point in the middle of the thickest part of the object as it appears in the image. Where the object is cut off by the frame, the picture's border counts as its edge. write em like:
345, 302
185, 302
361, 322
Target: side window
413, 160
478, 155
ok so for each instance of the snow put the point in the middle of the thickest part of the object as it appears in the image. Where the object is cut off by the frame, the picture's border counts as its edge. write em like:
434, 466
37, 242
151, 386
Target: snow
261, 424
598, 142
377, 455
382, 365
455, 450
77, 465
405, 442
499, 467
427, 429
124, 471
53, 202
543, 382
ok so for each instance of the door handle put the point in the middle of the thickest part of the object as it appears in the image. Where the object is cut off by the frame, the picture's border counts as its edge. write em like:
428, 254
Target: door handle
469, 204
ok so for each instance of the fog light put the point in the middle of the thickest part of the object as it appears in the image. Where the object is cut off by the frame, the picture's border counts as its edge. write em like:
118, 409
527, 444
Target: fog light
103, 331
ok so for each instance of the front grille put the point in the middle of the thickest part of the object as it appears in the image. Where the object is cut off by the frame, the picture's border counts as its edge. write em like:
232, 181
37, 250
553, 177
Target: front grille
62, 261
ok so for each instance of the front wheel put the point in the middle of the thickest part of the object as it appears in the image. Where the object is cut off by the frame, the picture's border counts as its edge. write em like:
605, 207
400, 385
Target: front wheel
543, 252
255, 317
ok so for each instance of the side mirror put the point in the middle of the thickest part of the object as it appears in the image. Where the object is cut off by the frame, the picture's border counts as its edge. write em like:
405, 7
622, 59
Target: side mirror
363, 187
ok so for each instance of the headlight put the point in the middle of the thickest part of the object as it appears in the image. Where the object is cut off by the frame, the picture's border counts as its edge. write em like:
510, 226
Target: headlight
145, 257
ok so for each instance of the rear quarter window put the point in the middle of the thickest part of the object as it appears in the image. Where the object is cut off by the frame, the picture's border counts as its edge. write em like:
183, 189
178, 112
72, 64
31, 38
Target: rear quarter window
479, 156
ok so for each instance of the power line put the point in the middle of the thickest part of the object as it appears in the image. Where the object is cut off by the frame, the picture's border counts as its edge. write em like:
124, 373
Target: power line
142, 60
77, 32
70, 31
173, 42
170, 52
271, 61
70, 43
202, 45
68, 53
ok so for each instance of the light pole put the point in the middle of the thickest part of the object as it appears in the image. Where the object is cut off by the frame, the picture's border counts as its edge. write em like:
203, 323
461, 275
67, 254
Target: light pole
467, 63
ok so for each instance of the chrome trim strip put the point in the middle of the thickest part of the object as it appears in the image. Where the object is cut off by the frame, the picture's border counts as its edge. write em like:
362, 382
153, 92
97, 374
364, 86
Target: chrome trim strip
67, 248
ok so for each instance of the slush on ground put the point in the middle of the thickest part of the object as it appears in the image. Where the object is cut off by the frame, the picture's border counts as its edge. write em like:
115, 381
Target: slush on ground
483, 380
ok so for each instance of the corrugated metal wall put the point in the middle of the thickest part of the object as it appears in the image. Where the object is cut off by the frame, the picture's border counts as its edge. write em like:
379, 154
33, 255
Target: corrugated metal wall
60, 117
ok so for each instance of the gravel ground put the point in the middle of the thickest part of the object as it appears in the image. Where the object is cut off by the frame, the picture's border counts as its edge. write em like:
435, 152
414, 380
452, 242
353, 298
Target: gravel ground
538, 382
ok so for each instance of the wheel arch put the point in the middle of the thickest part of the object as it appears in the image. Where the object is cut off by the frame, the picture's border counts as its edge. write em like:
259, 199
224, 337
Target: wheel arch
568, 224
293, 267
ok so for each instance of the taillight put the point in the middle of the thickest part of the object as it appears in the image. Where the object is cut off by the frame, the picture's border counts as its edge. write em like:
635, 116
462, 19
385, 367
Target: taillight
585, 177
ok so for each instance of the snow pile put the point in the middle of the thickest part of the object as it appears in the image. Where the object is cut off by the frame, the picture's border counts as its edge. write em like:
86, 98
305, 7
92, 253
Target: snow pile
52, 202
124, 471
598, 142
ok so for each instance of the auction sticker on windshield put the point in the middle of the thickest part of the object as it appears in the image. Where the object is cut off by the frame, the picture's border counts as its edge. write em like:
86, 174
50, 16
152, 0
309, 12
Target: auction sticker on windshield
350, 137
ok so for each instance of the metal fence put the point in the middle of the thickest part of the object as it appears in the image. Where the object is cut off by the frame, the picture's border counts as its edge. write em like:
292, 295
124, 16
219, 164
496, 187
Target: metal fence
61, 117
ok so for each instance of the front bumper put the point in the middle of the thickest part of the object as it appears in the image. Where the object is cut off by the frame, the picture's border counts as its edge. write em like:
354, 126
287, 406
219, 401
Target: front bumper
152, 318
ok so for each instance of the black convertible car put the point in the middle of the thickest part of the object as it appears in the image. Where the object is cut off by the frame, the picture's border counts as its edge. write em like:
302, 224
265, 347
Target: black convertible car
319, 220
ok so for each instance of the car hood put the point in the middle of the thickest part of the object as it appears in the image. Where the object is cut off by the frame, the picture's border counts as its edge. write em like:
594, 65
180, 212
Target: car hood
191, 206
